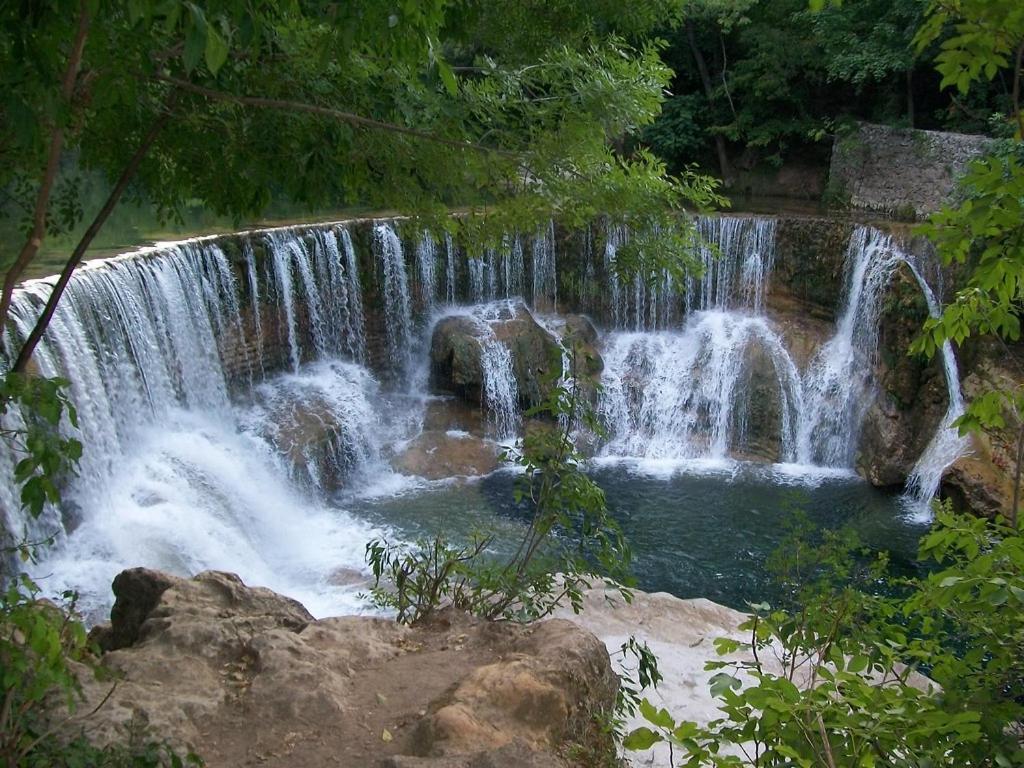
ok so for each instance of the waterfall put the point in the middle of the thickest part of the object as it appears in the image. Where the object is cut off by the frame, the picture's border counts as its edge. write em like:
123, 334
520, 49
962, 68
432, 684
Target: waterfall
946, 445
281, 253
397, 306
674, 394
174, 474
838, 385
500, 391
350, 293
449, 270
321, 422
426, 263
327, 294
737, 256
545, 285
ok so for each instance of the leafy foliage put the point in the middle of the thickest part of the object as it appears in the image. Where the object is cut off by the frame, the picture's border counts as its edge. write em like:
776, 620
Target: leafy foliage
832, 683
34, 409
43, 648
518, 110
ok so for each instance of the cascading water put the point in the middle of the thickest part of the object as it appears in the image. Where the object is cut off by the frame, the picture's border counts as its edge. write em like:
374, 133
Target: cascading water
686, 394
946, 445
174, 475
500, 391
449, 269
838, 385
675, 395
198, 454
426, 263
545, 285
498, 273
397, 305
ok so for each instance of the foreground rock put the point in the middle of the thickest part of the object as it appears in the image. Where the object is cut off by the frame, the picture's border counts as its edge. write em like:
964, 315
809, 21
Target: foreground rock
246, 677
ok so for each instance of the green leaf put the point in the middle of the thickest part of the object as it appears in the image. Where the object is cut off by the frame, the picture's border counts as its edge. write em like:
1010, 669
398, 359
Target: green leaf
640, 739
216, 51
655, 716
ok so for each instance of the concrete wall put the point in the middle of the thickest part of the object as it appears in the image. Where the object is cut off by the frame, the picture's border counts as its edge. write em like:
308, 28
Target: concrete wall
898, 171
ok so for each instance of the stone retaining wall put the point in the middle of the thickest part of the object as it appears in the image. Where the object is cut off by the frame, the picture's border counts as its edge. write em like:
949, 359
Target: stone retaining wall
900, 171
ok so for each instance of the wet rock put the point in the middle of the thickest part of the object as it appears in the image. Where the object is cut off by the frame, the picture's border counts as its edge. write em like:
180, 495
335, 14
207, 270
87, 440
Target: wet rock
457, 346
977, 483
436, 455
912, 395
450, 413
320, 426
758, 411
982, 482
455, 352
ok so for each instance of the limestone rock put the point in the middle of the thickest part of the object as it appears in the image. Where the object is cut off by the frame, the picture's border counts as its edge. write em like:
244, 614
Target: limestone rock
246, 677
435, 455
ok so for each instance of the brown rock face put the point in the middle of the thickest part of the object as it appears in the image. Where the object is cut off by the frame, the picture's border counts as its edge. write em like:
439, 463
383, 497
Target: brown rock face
247, 677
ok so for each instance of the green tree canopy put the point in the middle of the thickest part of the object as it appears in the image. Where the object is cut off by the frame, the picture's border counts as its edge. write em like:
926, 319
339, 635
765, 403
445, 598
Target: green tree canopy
515, 108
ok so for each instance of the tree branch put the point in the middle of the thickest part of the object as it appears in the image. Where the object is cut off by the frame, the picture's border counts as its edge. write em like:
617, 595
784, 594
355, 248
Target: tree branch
38, 232
83, 245
288, 105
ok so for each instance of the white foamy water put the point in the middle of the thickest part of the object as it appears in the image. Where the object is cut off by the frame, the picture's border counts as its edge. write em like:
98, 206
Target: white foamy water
170, 477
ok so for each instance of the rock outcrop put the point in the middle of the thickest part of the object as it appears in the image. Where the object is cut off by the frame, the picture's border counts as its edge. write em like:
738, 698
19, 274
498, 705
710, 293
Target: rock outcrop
912, 395
245, 676
982, 481
457, 347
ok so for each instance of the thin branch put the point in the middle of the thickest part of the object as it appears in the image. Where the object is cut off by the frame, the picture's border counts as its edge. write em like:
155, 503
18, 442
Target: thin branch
38, 231
288, 105
83, 245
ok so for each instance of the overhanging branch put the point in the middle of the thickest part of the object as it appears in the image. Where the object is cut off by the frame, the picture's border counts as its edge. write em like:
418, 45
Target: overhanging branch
288, 105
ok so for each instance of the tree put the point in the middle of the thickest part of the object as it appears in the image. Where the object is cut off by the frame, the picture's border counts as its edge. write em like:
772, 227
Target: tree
985, 230
512, 107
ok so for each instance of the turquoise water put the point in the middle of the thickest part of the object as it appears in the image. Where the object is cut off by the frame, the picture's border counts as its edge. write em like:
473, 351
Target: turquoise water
704, 533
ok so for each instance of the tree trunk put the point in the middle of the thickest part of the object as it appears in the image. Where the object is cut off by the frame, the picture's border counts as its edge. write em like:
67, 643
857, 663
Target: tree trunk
709, 92
38, 232
83, 245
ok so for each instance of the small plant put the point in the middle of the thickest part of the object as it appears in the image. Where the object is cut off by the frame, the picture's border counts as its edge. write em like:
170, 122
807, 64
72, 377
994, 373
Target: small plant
570, 538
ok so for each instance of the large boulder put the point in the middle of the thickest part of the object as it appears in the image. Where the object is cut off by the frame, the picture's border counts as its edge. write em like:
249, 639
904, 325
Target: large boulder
982, 481
246, 677
455, 358
458, 342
